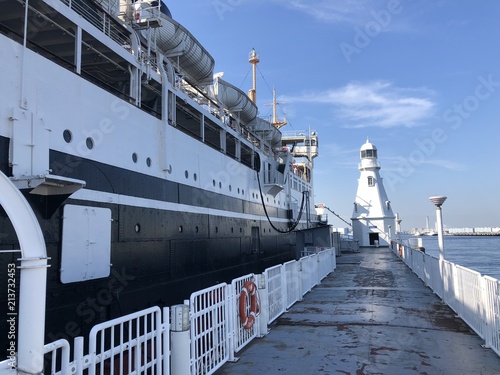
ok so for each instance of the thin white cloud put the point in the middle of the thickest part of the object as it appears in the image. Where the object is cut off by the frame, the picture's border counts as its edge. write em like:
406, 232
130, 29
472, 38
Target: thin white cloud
447, 164
374, 104
331, 11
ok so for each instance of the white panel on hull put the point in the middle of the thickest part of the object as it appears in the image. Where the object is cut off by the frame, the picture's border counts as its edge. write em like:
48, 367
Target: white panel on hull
30, 144
86, 243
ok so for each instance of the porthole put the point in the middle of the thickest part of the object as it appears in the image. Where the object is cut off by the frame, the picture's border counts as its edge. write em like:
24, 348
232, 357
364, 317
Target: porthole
134, 157
186, 174
137, 228
181, 229
90, 143
67, 136
148, 162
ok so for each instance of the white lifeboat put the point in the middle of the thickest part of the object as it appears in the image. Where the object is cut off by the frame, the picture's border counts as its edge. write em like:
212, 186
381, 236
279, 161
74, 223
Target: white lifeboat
175, 41
234, 100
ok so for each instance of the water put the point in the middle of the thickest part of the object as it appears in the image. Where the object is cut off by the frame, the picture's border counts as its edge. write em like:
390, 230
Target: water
479, 253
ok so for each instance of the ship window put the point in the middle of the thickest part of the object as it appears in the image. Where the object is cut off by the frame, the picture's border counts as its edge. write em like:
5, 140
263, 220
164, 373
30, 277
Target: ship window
148, 162
67, 136
90, 143
371, 181
188, 119
246, 155
181, 229
186, 174
212, 134
230, 146
137, 228
134, 157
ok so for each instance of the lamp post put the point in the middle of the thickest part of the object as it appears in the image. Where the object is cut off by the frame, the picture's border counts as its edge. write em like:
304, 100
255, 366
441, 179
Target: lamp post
438, 202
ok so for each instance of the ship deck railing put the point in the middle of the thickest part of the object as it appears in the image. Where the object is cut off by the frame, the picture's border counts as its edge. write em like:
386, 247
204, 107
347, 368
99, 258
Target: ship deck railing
206, 332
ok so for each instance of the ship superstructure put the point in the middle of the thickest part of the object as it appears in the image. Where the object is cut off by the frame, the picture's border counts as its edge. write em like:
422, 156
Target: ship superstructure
150, 177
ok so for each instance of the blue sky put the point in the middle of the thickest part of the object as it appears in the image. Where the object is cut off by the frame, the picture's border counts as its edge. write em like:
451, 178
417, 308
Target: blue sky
420, 79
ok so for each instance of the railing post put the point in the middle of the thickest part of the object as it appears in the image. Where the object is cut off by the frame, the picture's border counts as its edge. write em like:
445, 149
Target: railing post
180, 335
78, 355
264, 305
166, 341
486, 313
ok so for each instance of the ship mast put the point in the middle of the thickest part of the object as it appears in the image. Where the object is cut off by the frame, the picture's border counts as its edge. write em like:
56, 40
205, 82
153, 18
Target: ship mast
277, 124
254, 60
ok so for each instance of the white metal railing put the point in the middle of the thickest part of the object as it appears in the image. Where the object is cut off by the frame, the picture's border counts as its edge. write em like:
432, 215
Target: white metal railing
293, 293
242, 336
130, 344
473, 297
210, 329
275, 291
141, 343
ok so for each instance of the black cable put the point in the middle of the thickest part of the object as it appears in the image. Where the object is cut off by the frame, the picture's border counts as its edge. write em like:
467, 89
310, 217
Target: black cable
267, 215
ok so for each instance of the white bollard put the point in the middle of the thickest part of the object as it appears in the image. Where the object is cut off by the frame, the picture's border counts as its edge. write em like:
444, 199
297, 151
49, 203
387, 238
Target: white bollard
180, 344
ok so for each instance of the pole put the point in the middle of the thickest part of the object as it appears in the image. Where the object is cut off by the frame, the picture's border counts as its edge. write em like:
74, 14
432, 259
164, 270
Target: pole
438, 202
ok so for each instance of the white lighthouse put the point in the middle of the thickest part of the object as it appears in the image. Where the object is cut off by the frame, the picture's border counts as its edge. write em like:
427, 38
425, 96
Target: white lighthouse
372, 219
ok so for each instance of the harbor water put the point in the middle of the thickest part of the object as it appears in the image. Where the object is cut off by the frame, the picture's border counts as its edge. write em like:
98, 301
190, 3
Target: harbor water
479, 253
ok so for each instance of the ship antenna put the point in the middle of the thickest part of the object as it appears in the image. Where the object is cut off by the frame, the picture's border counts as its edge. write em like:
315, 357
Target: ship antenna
254, 60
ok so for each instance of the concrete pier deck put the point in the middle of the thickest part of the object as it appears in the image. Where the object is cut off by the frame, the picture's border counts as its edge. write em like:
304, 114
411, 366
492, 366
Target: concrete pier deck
373, 315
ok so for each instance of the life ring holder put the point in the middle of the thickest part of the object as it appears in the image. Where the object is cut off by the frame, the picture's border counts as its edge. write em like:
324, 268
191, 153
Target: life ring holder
247, 317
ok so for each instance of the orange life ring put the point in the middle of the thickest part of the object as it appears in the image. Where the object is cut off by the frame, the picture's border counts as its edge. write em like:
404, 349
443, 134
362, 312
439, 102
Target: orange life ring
248, 312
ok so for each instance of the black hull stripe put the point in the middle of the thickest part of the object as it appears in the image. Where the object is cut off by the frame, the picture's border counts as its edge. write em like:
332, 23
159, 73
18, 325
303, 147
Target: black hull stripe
107, 178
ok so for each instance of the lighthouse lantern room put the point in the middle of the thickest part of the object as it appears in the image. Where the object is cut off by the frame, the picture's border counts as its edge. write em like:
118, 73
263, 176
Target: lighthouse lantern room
372, 219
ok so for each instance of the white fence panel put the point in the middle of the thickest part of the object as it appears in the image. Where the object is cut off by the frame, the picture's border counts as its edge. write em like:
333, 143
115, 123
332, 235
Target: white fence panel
276, 291
492, 297
292, 283
129, 344
242, 336
450, 287
308, 267
325, 263
210, 346
418, 263
471, 300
